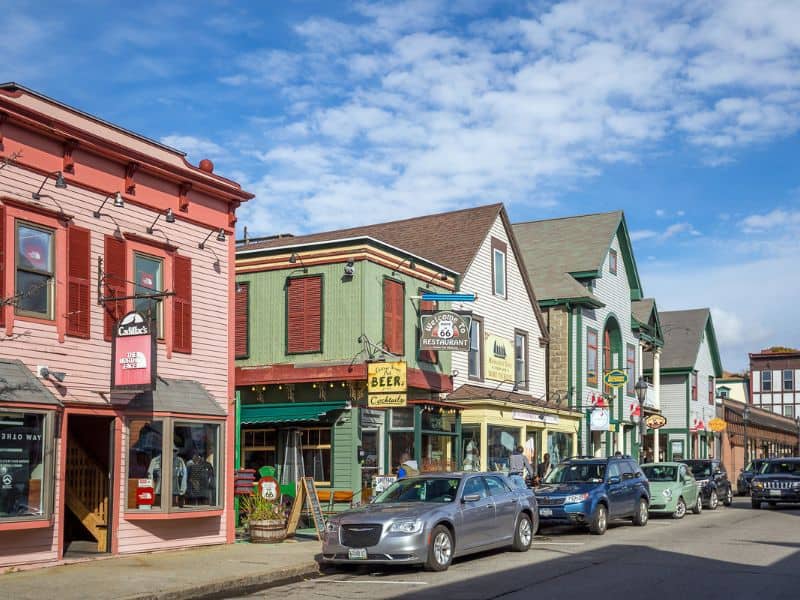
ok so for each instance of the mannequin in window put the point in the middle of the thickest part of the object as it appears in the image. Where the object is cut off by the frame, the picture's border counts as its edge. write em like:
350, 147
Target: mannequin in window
200, 481
178, 477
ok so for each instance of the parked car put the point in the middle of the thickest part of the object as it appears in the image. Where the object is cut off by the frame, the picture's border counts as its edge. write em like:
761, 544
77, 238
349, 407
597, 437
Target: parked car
713, 479
778, 482
431, 519
590, 491
673, 489
746, 474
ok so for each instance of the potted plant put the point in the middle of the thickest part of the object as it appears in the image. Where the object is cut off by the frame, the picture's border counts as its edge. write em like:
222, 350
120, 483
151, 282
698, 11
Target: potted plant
265, 519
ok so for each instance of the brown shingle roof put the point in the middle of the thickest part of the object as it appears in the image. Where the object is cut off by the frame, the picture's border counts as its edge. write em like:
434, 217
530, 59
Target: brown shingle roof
683, 332
449, 239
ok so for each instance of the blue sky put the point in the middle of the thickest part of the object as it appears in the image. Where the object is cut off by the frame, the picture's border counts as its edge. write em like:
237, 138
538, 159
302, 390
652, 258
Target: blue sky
684, 114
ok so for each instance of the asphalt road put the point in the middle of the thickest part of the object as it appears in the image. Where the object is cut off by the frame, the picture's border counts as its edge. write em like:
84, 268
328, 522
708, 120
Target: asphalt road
730, 553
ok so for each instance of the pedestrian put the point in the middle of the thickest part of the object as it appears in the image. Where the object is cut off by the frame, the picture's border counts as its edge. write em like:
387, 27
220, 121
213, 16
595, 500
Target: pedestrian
544, 467
519, 467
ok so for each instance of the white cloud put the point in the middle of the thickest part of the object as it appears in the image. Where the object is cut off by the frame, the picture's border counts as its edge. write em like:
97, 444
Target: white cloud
195, 148
660, 212
776, 219
674, 230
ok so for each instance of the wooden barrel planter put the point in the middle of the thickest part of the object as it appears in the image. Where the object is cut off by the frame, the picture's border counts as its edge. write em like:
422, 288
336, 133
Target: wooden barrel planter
267, 532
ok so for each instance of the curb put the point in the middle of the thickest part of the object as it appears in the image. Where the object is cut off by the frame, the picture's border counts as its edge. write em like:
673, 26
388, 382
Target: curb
237, 586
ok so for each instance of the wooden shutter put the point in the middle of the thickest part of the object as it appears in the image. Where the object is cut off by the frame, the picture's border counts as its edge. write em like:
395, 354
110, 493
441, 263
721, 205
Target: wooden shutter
78, 282
429, 356
242, 320
114, 283
393, 294
2, 263
304, 314
182, 305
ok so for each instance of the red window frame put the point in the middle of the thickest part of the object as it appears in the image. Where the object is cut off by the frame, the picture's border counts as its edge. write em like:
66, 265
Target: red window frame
613, 260
591, 351
694, 385
711, 390
630, 367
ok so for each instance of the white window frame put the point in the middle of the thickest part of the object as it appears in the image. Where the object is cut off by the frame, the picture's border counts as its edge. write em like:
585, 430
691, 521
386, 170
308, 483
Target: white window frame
766, 377
477, 349
499, 274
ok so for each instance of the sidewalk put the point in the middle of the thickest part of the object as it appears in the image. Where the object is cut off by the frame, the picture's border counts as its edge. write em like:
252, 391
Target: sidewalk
174, 575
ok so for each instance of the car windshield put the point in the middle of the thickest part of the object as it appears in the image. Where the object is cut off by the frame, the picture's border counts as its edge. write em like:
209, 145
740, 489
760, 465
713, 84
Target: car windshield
420, 489
577, 472
782, 468
756, 466
700, 469
660, 472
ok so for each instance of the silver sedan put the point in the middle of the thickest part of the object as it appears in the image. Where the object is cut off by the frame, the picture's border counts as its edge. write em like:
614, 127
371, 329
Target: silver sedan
432, 518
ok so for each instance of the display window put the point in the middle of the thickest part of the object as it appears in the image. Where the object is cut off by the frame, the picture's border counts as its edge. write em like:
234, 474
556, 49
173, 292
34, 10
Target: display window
438, 453
316, 443
189, 451
471, 442
25, 465
559, 445
259, 448
502, 443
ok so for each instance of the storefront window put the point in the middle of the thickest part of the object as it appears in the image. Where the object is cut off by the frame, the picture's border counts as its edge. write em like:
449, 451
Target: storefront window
22, 464
438, 452
533, 447
144, 463
401, 448
502, 442
402, 418
471, 436
259, 448
194, 464
559, 445
435, 420
317, 453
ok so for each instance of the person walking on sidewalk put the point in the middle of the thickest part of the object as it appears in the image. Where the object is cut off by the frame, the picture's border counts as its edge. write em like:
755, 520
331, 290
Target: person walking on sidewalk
519, 467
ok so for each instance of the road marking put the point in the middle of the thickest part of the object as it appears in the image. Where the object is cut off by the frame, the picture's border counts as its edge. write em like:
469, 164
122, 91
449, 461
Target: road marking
378, 581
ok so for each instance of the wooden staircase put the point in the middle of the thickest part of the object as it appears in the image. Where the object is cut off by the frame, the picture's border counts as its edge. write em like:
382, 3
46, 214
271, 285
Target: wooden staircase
87, 493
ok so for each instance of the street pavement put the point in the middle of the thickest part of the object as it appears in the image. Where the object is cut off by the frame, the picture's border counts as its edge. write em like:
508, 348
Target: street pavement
730, 553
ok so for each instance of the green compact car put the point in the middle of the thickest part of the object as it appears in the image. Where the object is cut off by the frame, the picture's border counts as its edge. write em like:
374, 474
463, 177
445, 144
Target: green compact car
673, 489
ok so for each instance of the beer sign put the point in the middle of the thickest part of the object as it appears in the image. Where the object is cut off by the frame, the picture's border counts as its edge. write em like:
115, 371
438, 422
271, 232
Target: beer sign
133, 354
386, 384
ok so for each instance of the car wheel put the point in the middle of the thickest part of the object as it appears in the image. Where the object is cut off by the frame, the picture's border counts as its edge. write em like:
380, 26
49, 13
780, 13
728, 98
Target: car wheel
641, 515
599, 522
698, 506
680, 509
728, 498
713, 500
523, 534
440, 551
755, 503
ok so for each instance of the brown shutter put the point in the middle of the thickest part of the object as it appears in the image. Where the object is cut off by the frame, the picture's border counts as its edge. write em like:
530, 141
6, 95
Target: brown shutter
393, 316
304, 314
242, 320
182, 305
115, 271
429, 356
2, 263
78, 282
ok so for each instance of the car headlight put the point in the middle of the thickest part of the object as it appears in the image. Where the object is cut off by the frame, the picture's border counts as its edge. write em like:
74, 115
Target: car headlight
667, 493
332, 526
575, 498
406, 526
758, 484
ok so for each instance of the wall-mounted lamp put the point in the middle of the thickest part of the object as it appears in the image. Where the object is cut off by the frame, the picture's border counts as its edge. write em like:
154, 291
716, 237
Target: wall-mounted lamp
296, 257
118, 202
60, 184
220, 238
46, 373
169, 217
349, 268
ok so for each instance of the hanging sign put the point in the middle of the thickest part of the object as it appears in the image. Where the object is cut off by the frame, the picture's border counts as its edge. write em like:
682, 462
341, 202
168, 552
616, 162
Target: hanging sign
499, 359
386, 384
600, 419
615, 378
716, 425
444, 330
655, 421
133, 354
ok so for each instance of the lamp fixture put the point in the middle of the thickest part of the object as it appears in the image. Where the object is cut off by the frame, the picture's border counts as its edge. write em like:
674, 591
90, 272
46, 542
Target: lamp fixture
60, 184
46, 373
118, 202
296, 257
349, 268
169, 217
220, 238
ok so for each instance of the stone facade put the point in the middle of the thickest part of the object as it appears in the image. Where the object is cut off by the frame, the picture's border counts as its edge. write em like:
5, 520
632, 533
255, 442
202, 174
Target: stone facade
557, 318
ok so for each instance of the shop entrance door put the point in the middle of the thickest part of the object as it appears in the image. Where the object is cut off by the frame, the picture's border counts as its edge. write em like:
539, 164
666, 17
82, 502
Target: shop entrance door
371, 459
87, 494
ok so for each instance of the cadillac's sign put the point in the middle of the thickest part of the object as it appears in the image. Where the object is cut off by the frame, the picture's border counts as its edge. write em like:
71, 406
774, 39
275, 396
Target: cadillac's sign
444, 330
133, 354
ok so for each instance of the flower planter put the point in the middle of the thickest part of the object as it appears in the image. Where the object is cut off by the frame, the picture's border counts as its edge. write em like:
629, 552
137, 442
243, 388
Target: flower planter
267, 531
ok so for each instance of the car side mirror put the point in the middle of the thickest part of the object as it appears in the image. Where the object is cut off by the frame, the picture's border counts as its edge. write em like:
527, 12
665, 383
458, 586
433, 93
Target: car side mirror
614, 479
470, 498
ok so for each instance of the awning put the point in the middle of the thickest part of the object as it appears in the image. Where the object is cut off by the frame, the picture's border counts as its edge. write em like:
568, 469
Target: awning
185, 396
19, 384
288, 412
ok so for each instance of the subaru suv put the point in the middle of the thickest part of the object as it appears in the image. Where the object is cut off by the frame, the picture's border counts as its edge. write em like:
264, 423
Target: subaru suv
590, 491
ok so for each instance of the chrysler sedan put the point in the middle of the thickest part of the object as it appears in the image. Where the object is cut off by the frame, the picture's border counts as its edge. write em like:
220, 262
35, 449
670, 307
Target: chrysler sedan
431, 519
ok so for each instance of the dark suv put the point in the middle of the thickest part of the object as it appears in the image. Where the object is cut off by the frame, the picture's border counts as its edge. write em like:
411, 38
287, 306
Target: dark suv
713, 480
590, 491
779, 481
746, 474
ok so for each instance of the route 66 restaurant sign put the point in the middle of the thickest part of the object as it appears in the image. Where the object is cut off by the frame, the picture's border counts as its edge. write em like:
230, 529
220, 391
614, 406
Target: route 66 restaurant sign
444, 330
133, 354
386, 384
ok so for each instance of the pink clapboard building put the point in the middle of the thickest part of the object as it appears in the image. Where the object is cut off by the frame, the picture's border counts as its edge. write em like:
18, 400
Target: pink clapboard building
95, 222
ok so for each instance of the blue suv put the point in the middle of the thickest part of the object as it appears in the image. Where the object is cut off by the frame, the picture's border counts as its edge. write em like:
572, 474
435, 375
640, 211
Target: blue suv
590, 491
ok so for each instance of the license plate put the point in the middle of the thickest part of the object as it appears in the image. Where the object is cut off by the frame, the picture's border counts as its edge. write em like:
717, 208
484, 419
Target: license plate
546, 512
774, 492
357, 553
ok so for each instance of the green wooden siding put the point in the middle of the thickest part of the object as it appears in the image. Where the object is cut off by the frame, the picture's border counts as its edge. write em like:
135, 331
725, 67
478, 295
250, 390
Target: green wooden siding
345, 467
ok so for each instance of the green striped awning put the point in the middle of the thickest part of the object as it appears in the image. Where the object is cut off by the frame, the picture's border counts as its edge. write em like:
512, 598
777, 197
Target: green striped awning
295, 412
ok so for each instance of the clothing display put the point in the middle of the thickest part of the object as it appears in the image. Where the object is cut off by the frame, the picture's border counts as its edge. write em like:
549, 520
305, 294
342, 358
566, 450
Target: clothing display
178, 474
200, 481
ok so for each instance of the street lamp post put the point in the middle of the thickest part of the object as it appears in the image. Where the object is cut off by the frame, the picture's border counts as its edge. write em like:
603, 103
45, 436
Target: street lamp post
641, 395
746, 421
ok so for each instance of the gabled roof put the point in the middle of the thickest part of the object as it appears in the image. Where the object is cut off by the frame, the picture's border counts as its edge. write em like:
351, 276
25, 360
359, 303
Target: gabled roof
19, 384
449, 239
560, 252
683, 334
646, 320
